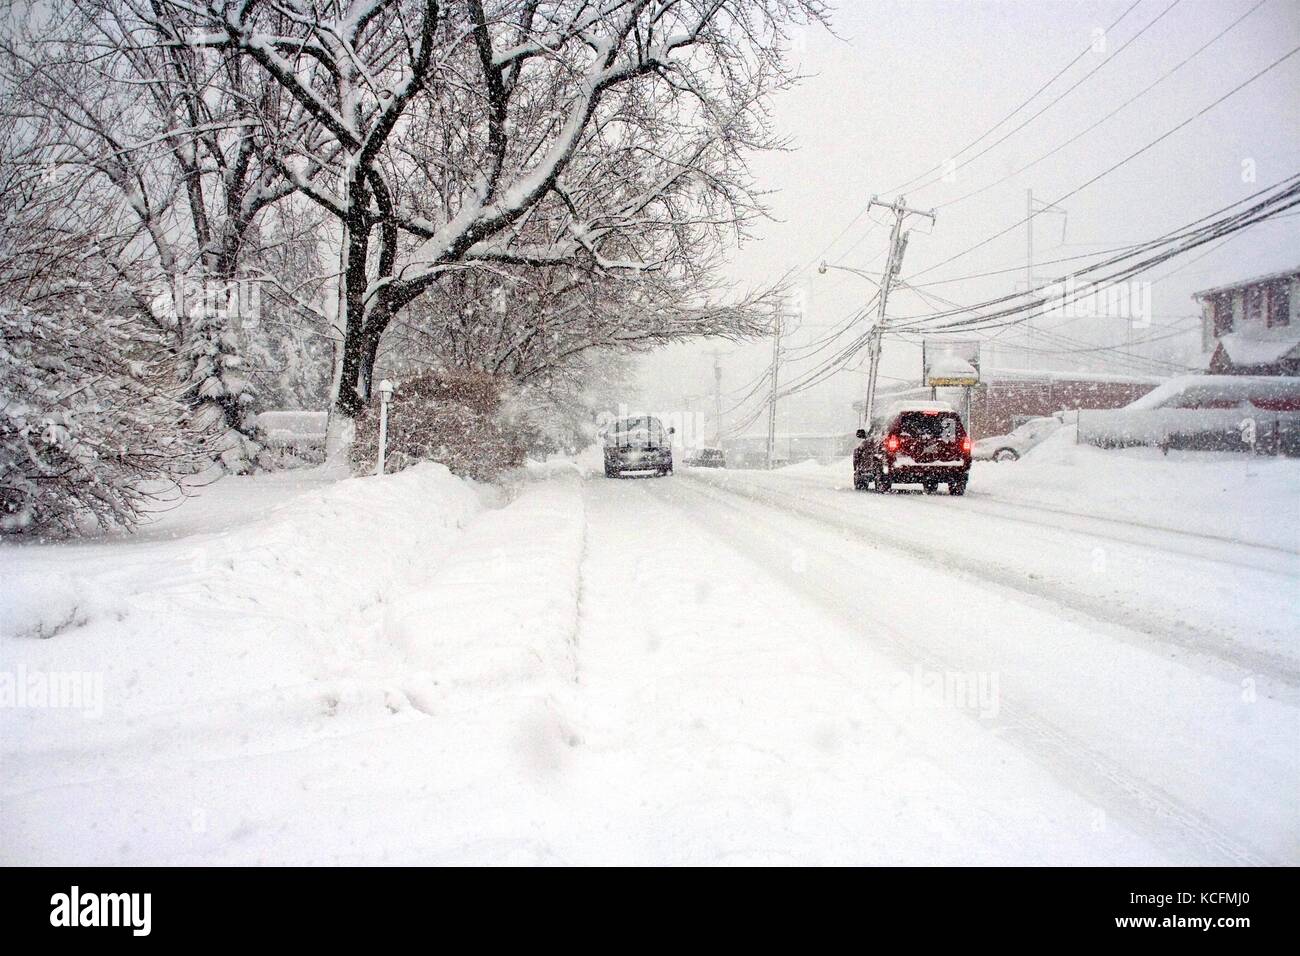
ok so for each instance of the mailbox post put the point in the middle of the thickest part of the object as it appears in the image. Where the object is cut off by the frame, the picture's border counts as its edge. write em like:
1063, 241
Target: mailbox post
385, 396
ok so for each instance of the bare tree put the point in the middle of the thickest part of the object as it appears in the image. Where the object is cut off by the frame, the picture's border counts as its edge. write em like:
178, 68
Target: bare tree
611, 133
532, 326
92, 429
110, 87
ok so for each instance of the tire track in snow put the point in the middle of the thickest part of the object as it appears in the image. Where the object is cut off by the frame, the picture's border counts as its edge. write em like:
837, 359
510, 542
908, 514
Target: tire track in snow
1010, 503
1124, 621
974, 502
1148, 808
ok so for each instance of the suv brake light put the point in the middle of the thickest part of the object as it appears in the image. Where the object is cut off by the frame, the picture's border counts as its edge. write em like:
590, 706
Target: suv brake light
965, 444
891, 443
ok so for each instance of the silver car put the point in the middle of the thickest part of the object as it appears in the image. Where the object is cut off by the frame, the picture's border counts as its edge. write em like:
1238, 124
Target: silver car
638, 445
1013, 445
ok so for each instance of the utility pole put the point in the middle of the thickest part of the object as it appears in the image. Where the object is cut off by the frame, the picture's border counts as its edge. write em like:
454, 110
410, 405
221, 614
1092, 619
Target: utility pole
777, 318
1030, 213
897, 246
1029, 240
717, 400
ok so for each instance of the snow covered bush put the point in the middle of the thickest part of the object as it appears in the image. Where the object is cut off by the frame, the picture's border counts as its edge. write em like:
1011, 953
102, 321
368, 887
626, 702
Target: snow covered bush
91, 428
456, 418
88, 432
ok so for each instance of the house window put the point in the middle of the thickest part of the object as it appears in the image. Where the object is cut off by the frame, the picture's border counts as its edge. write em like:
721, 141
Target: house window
1279, 304
1221, 309
1255, 305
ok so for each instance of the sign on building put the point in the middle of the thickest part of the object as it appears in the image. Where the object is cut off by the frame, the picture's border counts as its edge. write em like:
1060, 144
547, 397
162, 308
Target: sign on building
950, 363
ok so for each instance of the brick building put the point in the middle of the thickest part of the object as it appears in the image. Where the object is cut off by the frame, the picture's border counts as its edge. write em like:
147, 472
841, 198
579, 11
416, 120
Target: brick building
1006, 397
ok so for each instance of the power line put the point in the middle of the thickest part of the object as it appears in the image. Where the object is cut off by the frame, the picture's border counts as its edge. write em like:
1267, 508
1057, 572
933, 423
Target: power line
1100, 66
1220, 228
1159, 139
1127, 252
977, 140
1073, 139
1104, 252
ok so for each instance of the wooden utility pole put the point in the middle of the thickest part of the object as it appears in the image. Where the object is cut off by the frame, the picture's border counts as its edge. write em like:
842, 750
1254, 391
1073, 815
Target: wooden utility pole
777, 318
897, 246
717, 400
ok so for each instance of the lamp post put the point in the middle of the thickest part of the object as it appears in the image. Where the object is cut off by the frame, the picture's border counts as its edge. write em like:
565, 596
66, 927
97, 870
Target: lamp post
873, 342
385, 396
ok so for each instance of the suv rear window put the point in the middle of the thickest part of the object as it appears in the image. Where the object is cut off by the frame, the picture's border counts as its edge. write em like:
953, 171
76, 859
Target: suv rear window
636, 431
943, 426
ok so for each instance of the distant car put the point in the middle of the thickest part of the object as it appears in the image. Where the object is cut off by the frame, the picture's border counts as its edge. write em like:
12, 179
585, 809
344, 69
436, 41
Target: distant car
707, 458
1013, 445
923, 443
640, 444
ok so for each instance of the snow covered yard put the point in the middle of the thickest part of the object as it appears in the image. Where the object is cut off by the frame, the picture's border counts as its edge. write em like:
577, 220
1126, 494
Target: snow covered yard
715, 667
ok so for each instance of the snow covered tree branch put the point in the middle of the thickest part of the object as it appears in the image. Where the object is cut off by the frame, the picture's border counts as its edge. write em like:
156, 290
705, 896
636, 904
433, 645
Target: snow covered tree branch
613, 135
111, 88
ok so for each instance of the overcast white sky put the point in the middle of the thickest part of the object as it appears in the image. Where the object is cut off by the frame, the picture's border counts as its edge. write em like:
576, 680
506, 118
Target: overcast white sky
908, 84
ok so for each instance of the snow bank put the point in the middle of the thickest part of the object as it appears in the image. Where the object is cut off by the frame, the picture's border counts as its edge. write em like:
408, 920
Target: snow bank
478, 623
311, 563
359, 673
1255, 499
43, 606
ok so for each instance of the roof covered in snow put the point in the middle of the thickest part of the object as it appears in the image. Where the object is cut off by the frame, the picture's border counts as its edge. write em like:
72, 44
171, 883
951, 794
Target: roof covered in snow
1003, 375
1261, 346
1224, 386
1042, 375
1291, 273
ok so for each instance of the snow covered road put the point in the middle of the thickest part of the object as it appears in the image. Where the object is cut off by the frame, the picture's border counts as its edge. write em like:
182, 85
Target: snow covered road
720, 666
1115, 675
1106, 716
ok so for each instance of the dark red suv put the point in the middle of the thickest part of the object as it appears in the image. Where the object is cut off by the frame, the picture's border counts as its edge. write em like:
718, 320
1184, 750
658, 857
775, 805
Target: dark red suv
923, 445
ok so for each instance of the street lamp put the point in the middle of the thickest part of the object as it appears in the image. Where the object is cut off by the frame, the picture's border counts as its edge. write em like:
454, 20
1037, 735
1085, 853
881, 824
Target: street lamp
857, 272
873, 333
385, 396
